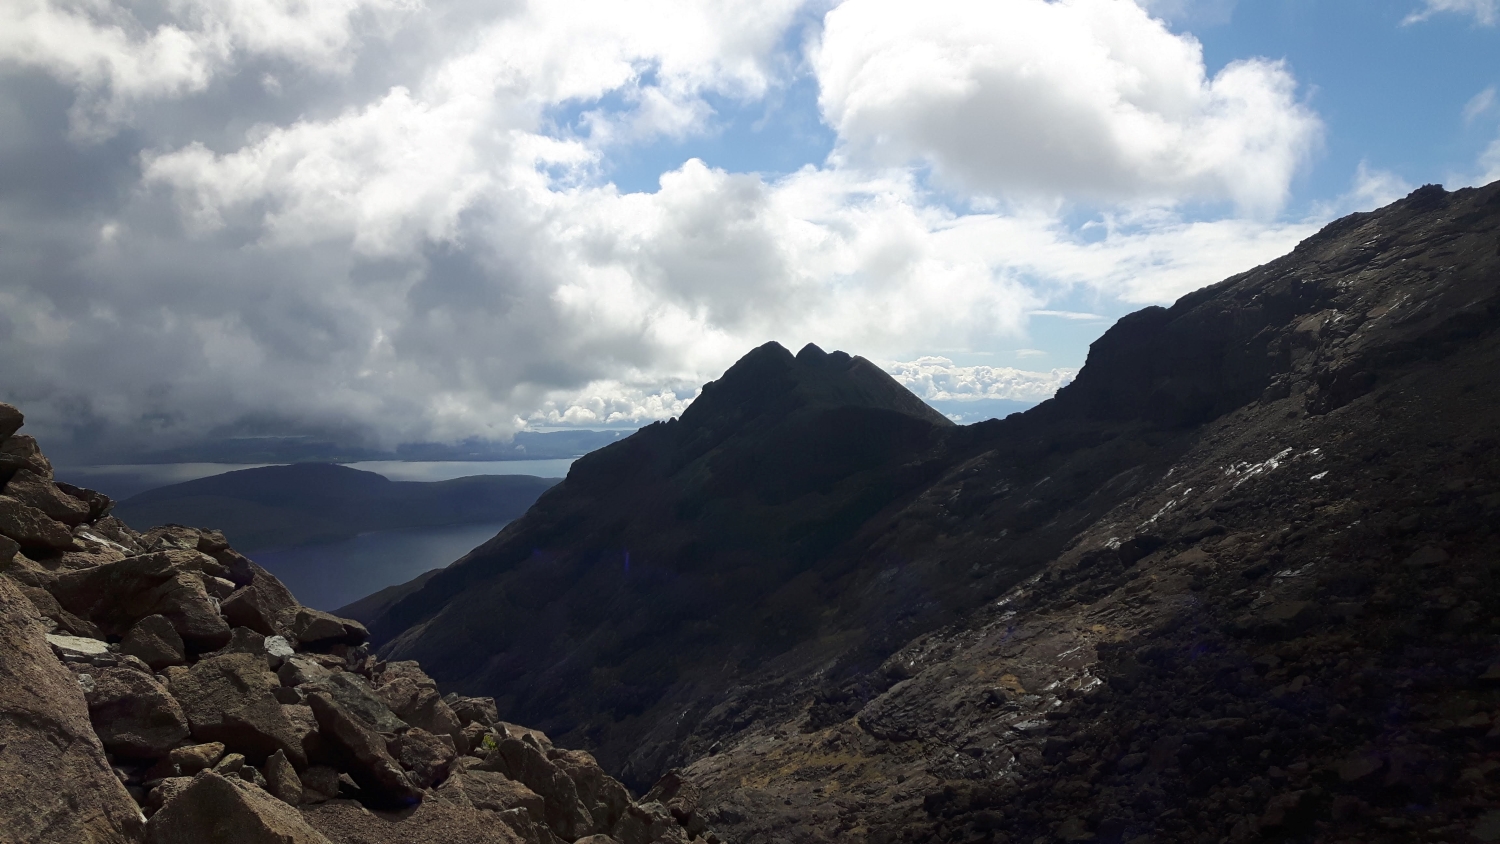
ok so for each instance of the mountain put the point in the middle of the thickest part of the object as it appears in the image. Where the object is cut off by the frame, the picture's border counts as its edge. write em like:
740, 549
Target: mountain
1235, 580
302, 503
524, 445
159, 687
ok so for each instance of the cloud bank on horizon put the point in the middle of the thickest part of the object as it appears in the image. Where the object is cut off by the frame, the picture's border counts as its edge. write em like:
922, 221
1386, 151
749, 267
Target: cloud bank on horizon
393, 221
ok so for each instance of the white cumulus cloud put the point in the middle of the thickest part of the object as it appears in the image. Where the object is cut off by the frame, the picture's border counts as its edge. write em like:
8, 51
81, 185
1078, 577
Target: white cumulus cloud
1079, 98
1485, 12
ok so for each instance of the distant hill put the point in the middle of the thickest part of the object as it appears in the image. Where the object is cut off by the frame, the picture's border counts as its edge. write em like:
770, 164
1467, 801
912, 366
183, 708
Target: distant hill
525, 445
281, 506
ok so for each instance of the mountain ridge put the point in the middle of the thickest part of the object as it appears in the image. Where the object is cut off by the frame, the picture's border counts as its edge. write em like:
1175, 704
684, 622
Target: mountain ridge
980, 508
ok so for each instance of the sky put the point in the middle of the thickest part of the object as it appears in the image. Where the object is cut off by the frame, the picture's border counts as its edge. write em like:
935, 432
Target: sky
386, 221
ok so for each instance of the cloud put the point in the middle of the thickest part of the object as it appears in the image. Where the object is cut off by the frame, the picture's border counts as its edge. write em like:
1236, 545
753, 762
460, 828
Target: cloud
1078, 98
1489, 164
1479, 105
939, 379
116, 58
407, 237
1485, 12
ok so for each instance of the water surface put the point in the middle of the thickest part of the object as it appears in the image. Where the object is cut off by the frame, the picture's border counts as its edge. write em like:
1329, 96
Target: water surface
330, 575
120, 481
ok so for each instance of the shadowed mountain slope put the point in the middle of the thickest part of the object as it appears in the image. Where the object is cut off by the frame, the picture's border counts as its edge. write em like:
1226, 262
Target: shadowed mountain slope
754, 564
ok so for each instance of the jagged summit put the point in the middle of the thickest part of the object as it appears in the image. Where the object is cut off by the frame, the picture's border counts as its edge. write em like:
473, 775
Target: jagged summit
769, 380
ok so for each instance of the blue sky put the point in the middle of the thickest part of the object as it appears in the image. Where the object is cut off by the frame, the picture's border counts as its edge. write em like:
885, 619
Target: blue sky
383, 221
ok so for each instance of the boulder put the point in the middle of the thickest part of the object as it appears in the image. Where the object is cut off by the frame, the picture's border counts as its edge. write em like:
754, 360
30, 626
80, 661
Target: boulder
473, 710
11, 420
79, 648
167, 583
317, 629
22, 449
282, 780
9, 548
41, 493
525, 761
265, 605
56, 786
471, 785
29, 526
154, 641
425, 756
355, 696
602, 795
297, 670
133, 715
648, 823
164, 791
320, 783
362, 752
228, 810
196, 757
98, 503
228, 699
421, 706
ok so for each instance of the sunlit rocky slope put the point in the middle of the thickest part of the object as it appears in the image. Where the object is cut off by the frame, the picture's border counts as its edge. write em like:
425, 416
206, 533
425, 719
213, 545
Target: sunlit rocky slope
1236, 581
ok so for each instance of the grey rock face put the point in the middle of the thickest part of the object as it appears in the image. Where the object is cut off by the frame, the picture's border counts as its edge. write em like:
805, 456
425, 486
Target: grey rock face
133, 715
154, 641
228, 699
362, 751
56, 786
227, 810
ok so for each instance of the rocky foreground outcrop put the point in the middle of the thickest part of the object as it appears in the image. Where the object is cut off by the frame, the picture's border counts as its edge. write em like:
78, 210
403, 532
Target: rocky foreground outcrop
160, 687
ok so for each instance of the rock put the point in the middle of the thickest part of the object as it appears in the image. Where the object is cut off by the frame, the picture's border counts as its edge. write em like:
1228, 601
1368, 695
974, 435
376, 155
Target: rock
228, 811
471, 710
228, 699
265, 605
278, 649
606, 799
9, 548
33, 490
29, 526
23, 451
230, 765
648, 823
196, 757
154, 641
77, 648
362, 750
243, 640
355, 696
56, 786
11, 420
1427, 556
421, 706
305, 729
98, 503
317, 629
282, 780
133, 715
167, 583
166, 790
1283, 810
299, 670
470, 785
524, 760
427, 757
319, 783
237, 567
